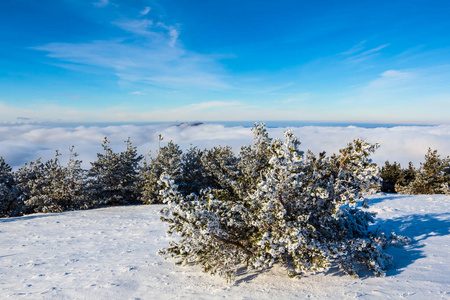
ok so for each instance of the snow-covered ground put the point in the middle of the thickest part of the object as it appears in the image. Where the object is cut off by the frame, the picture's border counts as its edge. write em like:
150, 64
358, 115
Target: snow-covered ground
110, 253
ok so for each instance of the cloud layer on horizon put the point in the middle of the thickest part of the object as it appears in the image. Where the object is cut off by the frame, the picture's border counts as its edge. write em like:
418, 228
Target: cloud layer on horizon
25, 143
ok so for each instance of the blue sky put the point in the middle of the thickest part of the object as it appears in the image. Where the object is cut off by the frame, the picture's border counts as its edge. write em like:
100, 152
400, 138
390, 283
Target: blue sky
170, 60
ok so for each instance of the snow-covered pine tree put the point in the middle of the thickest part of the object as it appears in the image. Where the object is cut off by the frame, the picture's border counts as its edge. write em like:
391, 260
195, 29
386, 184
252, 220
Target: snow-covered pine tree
192, 180
146, 178
75, 183
305, 208
26, 177
50, 195
37, 182
113, 176
51, 187
168, 160
129, 166
11, 204
254, 160
220, 171
299, 211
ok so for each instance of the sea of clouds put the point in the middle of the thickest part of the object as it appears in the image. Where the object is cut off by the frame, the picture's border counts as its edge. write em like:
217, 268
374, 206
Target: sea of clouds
20, 144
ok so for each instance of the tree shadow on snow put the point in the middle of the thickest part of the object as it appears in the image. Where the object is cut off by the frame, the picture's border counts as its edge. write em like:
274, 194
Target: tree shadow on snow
24, 218
385, 197
243, 275
418, 228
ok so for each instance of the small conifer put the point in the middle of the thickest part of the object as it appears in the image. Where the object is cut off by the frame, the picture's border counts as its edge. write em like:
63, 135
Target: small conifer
294, 208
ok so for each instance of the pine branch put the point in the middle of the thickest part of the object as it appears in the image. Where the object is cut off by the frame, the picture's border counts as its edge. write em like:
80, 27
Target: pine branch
236, 244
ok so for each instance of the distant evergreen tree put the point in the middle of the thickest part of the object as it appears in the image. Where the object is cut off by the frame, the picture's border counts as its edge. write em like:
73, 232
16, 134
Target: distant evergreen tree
113, 176
391, 175
408, 175
394, 178
432, 177
11, 204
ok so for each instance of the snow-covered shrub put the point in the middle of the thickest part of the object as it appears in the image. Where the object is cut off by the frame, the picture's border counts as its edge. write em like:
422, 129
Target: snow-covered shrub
11, 204
276, 204
113, 176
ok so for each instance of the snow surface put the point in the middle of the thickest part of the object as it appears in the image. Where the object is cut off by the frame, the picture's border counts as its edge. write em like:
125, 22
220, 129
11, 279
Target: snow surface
110, 253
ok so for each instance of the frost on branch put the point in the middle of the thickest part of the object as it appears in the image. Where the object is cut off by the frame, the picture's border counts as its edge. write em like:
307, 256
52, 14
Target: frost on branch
279, 205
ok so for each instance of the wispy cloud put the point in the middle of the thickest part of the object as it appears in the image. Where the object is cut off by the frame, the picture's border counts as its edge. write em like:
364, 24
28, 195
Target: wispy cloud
155, 62
297, 98
152, 55
141, 93
70, 96
214, 104
400, 96
145, 11
173, 33
392, 78
373, 50
197, 79
387, 92
360, 52
101, 3
208, 110
355, 49
140, 27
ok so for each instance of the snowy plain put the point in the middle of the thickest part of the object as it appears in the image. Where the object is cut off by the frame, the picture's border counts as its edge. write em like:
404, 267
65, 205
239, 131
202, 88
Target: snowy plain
111, 253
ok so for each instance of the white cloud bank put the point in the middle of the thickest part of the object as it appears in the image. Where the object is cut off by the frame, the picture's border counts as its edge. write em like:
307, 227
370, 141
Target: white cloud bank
24, 143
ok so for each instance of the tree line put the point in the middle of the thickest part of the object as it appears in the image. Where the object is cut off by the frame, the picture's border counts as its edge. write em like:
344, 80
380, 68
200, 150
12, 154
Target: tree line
127, 178
121, 178
432, 177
